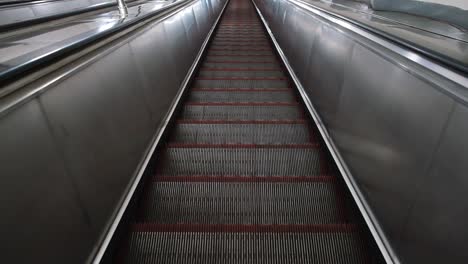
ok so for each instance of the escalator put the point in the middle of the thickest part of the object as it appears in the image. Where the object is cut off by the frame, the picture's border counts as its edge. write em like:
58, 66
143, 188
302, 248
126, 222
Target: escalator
243, 176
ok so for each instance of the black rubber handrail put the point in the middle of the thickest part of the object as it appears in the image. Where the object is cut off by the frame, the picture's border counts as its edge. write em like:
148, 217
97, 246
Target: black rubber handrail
9, 74
35, 21
452, 63
23, 2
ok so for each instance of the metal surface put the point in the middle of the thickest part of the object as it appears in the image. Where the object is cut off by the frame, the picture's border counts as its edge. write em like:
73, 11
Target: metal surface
122, 8
74, 176
28, 50
17, 15
441, 47
371, 104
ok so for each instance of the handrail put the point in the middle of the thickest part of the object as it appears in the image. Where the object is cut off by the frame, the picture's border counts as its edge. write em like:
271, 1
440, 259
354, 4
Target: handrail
35, 21
23, 2
9, 74
455, 65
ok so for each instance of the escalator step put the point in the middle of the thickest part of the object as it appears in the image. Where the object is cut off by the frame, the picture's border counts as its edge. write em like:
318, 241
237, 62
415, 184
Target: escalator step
201, 96
154, 244
259, 132
246, 58
239, 52
244, 202
207, 112
242, 160
247, 83
241, 65
240, 72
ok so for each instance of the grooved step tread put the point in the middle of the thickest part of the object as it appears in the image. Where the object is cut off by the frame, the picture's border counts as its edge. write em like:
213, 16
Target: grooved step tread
239, 72
234, 247
255, 132
251, 84
274, 160
243, 203
201, 112
241, 96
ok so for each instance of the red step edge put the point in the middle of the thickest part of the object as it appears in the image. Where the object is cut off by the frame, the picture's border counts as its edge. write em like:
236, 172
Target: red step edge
215, 49
243, 78
231, 178
243, 103
239, 55
242, 89
244, 146
240, 69
248, 122
239, 228
240, 45
264, 62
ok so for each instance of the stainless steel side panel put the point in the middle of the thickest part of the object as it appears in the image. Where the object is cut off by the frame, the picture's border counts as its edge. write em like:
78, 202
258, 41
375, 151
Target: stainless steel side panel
399, 127
72, 142
102, 122
160, 65
41, 210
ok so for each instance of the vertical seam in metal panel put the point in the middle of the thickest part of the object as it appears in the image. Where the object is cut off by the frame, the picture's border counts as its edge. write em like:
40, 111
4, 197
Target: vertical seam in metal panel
61, 152
428, 169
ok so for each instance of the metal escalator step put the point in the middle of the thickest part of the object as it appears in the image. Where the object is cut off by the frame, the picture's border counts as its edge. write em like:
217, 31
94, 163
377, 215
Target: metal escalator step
235, 59
239, 52
241, 160
154, 244
239, 72
242, 37
247, 132
201, 112
240, 83
243, 202
244, 45
241, 65
253, 43
223, 96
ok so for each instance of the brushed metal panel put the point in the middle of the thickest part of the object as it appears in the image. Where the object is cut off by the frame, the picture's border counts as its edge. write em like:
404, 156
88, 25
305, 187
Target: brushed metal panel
191, 29
436, 231
16, 15
381, 113
103, 125
200, 10
156, 70
306, 31
330, 56
288, 32
175, 33
42, 218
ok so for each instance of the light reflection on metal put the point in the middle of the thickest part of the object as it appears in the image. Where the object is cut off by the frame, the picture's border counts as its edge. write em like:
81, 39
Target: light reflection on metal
122, 8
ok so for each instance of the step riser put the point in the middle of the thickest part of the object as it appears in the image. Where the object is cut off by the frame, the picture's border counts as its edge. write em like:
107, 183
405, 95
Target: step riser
243, 203
250, 84
307, 248
242, 133
242, 113
240, 73
241, 97
242, 162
